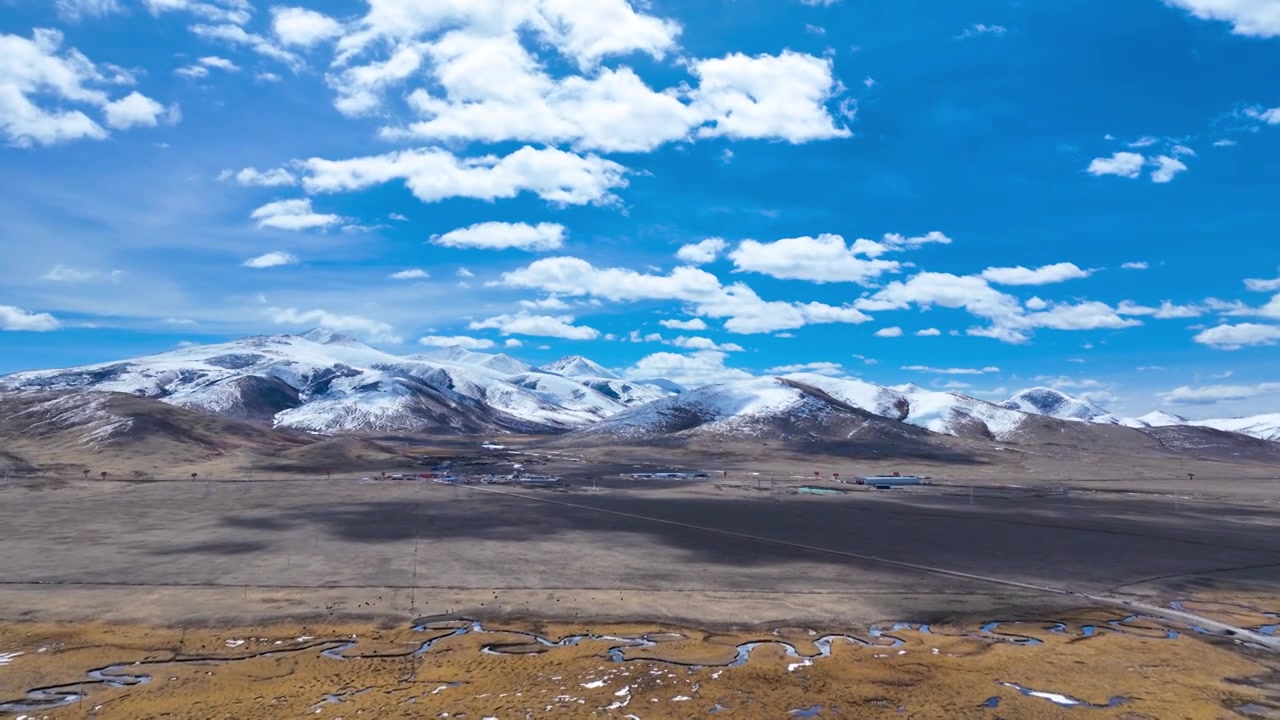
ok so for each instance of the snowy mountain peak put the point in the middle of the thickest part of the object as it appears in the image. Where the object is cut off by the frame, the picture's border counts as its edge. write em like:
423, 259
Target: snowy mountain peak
325, 336
1055, 403
1160, 418
576, 366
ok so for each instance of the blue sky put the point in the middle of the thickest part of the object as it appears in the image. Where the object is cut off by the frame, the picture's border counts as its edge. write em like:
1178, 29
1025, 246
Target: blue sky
981, 196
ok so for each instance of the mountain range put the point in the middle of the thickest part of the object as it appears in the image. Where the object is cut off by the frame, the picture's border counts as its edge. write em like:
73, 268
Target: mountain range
327, 383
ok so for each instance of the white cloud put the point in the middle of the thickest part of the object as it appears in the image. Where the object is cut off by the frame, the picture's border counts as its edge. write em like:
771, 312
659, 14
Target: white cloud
550, 303
702, 252
1124, 164
397, 217
237, 12
1166, 311
433, 175
1224, 143
1211, 394
1145, 141
745, 310
979, 29
38, 81
1140, 265
293, 215
62, 273
513, 343
819, 3
275, 177
694, 370
889, 332
504, 235
767, 96
1234, 337
702, 343
463, 341
951, 371
1010, 322
464, 273
76, 10
200, 68
373, 330
1183, 150
523, 323
1255, 18
691, 324
826, 258
928, 332
1044, 275
1166, 169
136, 109
271, 259
1269, 116
15, 318
832, 369
1261, 285
410, 274
233, 34
303, 27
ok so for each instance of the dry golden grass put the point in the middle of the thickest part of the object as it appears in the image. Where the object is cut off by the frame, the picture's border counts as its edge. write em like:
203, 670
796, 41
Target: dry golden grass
279, 672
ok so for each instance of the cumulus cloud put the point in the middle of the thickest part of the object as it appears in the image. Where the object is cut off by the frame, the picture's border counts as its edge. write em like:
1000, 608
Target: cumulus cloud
523, 323
15, 318
1044, 275
702, 252
410, 274
889, 332
253, 177
38, 80
691, 324
1124, 164
693, 370
432, 175
1139, 265
462, 341
1255, 18
827, 258
1166, 169
1130, 164
702, 343
1010, 321
928, 332
766, 96
302, 27
512, 343
1211, 394
504, 235
136, 109
832, 369
233, 34
293, 215
702, 291
1234, 337
271, 259
372, 330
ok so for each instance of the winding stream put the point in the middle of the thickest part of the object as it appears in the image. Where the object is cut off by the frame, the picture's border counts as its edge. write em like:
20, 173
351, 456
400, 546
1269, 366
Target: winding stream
620, 650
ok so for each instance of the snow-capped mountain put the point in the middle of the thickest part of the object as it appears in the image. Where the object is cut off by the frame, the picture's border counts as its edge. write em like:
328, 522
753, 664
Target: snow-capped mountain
800, 403
1266, 427
576, 366
1055, 403
326, 382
